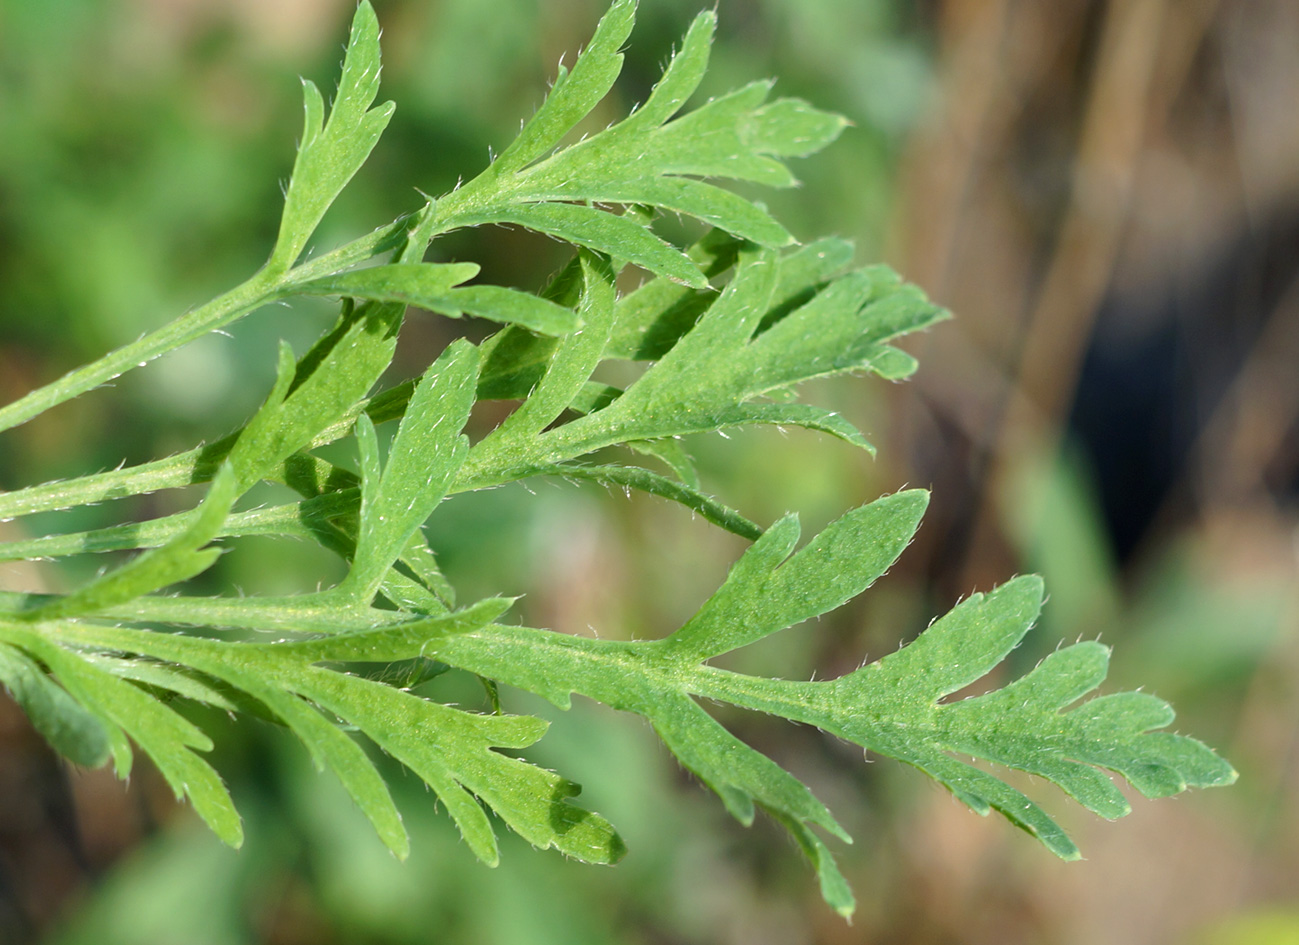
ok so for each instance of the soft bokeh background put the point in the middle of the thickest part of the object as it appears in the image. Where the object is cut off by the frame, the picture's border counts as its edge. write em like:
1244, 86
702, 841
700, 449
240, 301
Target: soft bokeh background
1105, 193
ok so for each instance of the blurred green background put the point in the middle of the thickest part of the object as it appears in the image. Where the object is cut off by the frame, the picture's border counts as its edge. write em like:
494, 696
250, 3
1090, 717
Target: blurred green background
1105, 192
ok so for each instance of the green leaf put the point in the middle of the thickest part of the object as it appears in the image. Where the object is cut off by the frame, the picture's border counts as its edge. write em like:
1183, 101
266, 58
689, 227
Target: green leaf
725, 332
573, 95
324, 387
507, 306
681, 78
794, 415
649, 161
1024, 725
331, 152
329, 746
769, 590
720, 362
426, 454
765, 333
648, 322
574, 359
706, 202
601, 231
179, 559
160, 679
168, 739
434, 287
656, 316
71, 731
893, 707
739, 137
631, 477
407, 283
453, 751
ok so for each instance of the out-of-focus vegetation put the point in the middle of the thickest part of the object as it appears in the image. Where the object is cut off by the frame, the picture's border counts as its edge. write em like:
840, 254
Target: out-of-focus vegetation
1106, 194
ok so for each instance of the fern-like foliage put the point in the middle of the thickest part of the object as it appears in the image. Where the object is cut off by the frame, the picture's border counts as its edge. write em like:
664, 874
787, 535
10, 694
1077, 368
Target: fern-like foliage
727, 330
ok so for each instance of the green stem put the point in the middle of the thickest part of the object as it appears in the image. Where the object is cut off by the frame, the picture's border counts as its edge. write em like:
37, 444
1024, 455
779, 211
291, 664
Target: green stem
293, 519
183, 469
305, 614
265, 286
220, 311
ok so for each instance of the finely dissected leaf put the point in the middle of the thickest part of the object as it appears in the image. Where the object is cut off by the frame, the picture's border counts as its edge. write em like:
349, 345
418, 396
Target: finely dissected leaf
648, 160
333, 377
319, 390
329, 745
739, 136
725, 330
892, 707
1025, 725
722, 361
166, 737
648, 322
769, 590
448, 747
763, 334
452, 750
163, 679
71, 730
514, 360
332, 151
658, 679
